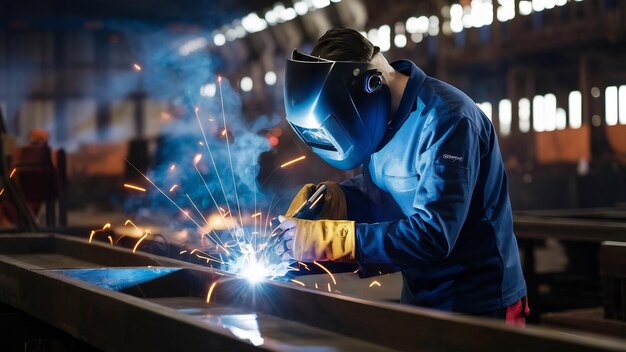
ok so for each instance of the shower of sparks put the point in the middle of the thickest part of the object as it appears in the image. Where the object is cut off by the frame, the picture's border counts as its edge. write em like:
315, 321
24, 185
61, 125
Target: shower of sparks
375, 283
138, 242
292, 161
12, 172
327, 271
298, 282
134, 187
245, 248
208, 296
137, 67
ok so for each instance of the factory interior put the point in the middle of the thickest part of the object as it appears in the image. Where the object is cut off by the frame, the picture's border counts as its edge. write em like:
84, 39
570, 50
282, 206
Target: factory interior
159, 190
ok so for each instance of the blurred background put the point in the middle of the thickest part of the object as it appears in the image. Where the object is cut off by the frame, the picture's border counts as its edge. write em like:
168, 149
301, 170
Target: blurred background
104, 79
93, 94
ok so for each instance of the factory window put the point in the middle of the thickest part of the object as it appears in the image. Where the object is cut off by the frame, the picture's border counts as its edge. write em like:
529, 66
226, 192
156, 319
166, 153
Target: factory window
549, 112
539, 116
122, 121
610, 106
486, 108
81, 115
561, 119
36, 114
154, 111
575, 109
524, 114
504, 114
506, 10
622, 105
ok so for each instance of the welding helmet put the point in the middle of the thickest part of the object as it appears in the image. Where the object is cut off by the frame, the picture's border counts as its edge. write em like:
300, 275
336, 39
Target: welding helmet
340, 109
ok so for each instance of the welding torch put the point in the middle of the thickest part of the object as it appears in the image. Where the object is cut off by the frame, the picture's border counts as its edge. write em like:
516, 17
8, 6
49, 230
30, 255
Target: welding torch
308, 210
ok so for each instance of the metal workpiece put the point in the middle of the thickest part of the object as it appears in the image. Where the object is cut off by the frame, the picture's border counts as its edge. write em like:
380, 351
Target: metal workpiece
116, 300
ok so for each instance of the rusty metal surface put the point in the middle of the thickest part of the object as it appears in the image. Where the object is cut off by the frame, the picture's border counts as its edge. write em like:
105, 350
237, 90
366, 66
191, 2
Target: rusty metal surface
162, 306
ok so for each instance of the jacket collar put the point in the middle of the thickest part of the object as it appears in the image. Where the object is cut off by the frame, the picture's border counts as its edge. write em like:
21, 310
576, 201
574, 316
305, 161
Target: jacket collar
408, 102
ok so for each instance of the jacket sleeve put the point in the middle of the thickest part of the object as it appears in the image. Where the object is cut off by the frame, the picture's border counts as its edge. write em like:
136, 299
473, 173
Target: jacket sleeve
448, 171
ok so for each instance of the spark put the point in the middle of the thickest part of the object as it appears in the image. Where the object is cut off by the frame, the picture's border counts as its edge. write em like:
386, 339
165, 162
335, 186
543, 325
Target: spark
316, 285
208, 296
223, 132
173, 188
255, 215
128, 221
219, 79
110, 239
203, 257
134, 187
137, 67
304, 265
292, 161
298, 282
138, 242
1, 191
163, 193
375, 283
93, 232
327, 271
200, 143
197, 109
172, 167
196, 159
12, 172
182, 252
329, 287
230, 159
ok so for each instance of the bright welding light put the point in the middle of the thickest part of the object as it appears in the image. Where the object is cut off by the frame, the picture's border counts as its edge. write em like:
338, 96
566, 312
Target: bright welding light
254, 272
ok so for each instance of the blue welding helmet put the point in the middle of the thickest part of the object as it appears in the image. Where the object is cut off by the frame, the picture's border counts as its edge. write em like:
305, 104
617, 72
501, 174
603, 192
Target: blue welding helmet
340, 109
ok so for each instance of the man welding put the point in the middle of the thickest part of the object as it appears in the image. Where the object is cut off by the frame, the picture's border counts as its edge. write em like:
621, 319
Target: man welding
432, 199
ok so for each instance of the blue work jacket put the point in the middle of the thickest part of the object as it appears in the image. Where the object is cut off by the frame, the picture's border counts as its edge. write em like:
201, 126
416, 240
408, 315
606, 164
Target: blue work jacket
433, 203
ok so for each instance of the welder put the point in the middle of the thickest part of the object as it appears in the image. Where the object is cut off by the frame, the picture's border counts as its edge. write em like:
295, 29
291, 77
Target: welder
432, 198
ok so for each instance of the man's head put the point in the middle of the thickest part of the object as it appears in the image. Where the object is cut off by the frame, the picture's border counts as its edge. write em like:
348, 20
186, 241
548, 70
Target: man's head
344, 44
335, 98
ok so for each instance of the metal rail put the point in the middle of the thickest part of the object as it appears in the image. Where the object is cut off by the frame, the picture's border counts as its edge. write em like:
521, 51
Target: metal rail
119, 301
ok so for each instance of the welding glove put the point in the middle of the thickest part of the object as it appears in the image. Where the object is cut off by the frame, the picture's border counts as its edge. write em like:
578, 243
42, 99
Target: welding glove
334, 202
309, 240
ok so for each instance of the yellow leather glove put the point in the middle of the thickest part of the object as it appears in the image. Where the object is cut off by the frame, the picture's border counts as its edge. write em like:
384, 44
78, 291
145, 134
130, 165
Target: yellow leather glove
309, 240
334, 201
